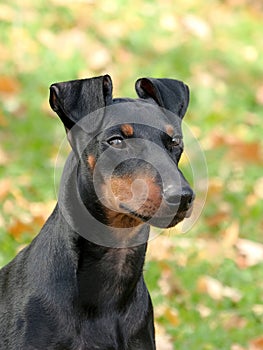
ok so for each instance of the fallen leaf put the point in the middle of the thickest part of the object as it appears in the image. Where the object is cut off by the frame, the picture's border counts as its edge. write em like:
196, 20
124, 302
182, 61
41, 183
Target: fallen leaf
5, 187
21, 201
168, 283
203, 310
258, 309
41, 211
211, 287
197, 26
215, 186
251, 199
160, 248
251, 252
234, 321
247, 151
232, 294
70, 41
3, 157
238, 149
99, 59
172, 317
31, 221
20, 227
250, 53
163, 340
9, 85
8, 207
259, 95
256, 344
170, 314
219, 217
3, 120
2, 221
237, 347
258, 188
216, 290
230, 235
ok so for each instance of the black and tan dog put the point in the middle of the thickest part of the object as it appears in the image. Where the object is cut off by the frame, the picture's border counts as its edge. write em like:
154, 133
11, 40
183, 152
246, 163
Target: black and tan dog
79, 285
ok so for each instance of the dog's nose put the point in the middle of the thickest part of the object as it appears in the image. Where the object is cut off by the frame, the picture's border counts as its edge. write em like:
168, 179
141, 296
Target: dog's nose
182, 199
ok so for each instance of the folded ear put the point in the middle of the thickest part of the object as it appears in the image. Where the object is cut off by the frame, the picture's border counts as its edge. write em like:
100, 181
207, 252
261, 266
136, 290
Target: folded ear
72, 100
170, 94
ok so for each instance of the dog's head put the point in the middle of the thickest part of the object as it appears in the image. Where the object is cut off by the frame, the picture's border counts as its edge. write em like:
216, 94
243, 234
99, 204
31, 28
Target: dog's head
129, 149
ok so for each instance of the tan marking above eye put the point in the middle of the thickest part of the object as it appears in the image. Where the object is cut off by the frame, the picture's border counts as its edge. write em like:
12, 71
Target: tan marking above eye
91, 161
127, 129
169, 130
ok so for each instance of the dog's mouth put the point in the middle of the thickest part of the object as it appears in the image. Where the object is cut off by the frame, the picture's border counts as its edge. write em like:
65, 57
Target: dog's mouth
134, 202
160, 221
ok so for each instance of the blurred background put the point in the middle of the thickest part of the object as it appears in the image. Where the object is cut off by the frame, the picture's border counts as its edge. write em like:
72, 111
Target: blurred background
207, 284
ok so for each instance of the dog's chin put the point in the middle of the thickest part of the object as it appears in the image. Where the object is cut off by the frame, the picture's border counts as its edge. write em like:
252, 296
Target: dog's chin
160, 221
171, 221
167, 222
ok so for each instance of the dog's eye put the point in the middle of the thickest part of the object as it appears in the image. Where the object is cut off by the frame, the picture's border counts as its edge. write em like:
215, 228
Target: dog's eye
117, 142
176, 141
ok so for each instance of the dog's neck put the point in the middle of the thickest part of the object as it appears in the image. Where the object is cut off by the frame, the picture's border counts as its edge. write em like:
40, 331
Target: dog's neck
107, 276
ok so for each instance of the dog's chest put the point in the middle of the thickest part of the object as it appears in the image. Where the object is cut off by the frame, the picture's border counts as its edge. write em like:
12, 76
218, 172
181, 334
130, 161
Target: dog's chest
120, 261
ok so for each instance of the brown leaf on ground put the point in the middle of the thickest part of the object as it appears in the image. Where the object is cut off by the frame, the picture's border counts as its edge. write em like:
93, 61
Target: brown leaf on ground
9, 85
168, 283
20, 227
163, 340
258, 188
258, 309
197, 26
3, 157
250, 253
237, 347
29, 216
234, 321
203, 310
216, 290
23, 205
2, 221
3, 121
170, 314
215, 186
256, 344
42, 210
238, 149
27, 224
259, 95
5, 186
230, 235
160, 248
217, 218
99, 59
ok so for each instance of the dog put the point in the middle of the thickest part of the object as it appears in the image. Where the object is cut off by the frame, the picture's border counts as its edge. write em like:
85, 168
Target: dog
79, 285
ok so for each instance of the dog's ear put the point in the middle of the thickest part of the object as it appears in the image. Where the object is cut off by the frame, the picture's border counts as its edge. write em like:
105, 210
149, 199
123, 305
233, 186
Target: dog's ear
72, 100
170, 94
